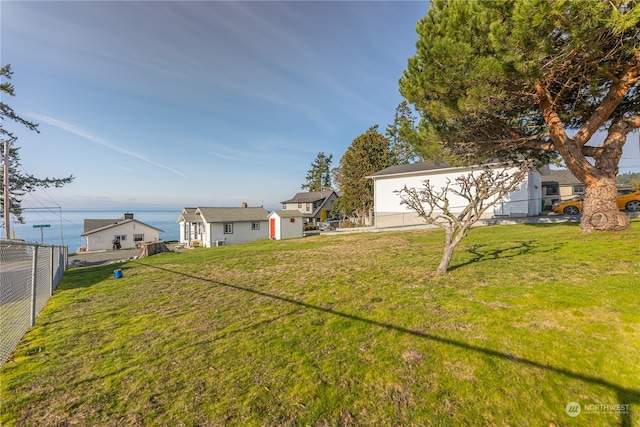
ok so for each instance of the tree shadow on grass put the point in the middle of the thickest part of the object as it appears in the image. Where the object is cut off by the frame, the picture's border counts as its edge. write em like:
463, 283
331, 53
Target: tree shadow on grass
625, 396
483, 253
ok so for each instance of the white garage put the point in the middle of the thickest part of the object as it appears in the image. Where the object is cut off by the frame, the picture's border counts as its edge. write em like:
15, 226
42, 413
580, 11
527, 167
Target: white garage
389, 212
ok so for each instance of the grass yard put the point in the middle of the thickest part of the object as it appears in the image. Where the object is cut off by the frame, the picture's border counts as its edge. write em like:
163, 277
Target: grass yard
351, 330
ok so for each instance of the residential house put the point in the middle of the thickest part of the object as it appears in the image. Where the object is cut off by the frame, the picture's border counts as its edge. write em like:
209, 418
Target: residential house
210, 227
390, 212
101, 234
560, 184
286, 224
311, 204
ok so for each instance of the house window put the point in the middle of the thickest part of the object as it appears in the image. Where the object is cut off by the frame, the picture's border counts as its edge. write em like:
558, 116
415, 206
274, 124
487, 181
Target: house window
308, 207
578, 189
138, 237
299, 205
228, 228
121, 237
255, 226
552, 190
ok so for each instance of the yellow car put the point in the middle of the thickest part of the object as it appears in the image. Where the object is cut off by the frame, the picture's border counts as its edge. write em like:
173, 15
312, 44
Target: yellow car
628, 199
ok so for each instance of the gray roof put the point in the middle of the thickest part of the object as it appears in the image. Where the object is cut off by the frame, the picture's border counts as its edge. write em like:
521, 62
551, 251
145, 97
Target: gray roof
310, 197
411, 168
562, 177
95, 225
189, 215
288, 213
232, 214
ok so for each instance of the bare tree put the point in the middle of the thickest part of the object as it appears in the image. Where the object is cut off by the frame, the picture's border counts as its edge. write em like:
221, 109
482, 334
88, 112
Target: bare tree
481, 191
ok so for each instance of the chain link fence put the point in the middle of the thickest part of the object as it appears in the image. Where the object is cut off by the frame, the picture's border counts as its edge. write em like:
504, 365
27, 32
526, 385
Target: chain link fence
29, 273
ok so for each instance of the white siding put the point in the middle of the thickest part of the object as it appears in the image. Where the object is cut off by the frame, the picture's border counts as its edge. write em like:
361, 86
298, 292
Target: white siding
104, 239
285, 228
391, 213
242, 233
191, 231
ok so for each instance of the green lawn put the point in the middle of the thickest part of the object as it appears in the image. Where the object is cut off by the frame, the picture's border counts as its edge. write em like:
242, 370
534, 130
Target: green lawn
343, 330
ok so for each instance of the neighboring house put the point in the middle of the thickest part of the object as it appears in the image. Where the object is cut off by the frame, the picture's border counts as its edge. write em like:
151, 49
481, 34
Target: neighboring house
286, 224
210, 227
101, 233
311, 204
560, 184
389, 212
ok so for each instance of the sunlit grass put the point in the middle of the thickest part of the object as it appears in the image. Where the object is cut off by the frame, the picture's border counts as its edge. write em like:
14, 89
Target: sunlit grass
342, 330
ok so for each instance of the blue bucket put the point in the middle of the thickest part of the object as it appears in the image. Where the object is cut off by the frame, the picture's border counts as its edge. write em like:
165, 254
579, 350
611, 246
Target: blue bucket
117, 273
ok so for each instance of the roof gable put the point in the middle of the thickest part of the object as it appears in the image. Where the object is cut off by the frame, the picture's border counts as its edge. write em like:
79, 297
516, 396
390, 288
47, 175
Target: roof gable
310, 197
189, 215
287, 213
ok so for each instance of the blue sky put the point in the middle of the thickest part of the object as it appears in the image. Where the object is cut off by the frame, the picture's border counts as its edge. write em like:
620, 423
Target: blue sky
204, 103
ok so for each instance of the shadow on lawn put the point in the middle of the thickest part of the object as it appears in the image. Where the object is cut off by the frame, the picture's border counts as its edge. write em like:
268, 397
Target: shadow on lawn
489, 252
625, 395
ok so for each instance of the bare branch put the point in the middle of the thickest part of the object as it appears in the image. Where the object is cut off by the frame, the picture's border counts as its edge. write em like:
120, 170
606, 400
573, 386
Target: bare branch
480, 191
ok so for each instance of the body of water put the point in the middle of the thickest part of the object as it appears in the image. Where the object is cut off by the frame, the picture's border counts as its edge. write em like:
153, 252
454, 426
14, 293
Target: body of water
66, 226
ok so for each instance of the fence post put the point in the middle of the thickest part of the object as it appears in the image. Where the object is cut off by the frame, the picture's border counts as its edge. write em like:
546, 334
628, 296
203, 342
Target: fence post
34, 269
52, 269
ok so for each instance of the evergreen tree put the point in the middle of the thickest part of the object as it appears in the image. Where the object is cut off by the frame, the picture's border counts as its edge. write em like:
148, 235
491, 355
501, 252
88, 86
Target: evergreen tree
402, 152
18, 183
517, 78
367, 154
319, 176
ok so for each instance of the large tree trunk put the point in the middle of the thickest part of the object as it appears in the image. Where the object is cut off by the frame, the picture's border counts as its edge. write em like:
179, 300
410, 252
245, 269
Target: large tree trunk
600, 211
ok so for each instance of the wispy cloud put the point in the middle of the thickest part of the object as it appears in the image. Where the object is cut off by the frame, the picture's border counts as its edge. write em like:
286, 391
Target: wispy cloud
93, 138
224, 156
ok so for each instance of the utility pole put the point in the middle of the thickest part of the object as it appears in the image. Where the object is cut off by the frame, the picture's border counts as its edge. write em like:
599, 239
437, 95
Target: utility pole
5, 186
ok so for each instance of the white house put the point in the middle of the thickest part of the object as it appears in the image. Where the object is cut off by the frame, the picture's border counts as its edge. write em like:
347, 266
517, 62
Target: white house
210, 227
389, 212
101, 234
286, 224
311, 204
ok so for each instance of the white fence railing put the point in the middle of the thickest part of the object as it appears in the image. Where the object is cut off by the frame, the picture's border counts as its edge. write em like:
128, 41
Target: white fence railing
29, 273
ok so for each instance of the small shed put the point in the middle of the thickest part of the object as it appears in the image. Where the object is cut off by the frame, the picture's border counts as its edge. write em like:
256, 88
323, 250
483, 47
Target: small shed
286, 224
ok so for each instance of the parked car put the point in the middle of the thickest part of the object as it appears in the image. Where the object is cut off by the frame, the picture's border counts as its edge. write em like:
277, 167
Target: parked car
329, 224
628, 199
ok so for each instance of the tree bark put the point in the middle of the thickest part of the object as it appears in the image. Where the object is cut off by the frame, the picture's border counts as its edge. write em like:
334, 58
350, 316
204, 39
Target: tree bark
449, 247
600, 211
